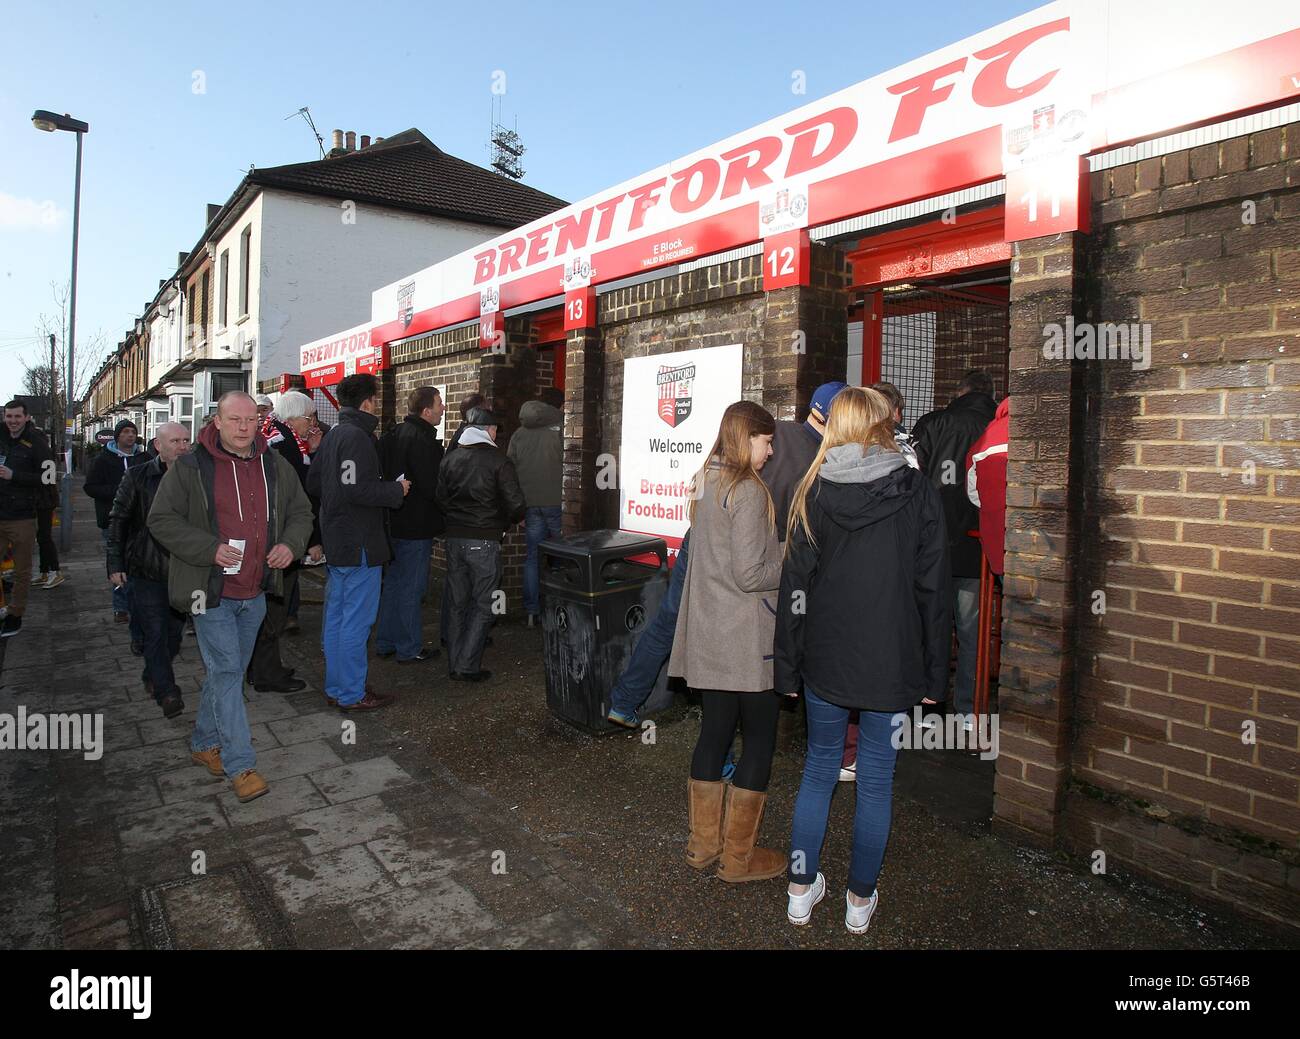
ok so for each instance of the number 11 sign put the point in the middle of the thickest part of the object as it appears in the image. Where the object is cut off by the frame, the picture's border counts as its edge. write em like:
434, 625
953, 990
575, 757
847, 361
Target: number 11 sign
1046, 198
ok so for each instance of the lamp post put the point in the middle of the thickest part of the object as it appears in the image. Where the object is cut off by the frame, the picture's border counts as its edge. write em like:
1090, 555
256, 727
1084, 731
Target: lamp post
49, 122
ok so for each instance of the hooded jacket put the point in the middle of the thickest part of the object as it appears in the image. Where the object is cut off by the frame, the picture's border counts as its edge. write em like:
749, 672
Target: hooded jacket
986, 484
412, 448
26, 454
132, 550
794, 447
354, 496
537, 449
106, 473
478, 489
864, 615
942, 440
183, 518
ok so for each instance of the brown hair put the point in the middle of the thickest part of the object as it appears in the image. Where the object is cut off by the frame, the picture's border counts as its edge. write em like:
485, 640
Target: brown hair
732, 454
469, 402
859, 415
890, 392
421, 397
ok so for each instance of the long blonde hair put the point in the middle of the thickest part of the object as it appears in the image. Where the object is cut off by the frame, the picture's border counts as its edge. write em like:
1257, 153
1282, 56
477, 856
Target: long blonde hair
733, 454
859, 415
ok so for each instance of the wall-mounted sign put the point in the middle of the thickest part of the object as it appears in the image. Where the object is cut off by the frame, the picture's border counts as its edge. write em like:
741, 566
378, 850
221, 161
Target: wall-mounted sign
327, 361
672, 407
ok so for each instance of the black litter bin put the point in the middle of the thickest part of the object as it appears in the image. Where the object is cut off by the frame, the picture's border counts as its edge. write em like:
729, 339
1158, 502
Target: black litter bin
599, 589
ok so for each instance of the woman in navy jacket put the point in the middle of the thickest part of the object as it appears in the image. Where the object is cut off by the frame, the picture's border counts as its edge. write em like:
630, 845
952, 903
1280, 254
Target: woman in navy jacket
863, 623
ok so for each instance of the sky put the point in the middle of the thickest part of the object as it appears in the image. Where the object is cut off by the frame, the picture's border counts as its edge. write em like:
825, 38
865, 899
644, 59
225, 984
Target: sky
183, 97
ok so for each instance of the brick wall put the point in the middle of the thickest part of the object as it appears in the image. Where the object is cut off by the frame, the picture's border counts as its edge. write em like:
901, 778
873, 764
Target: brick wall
1192, 528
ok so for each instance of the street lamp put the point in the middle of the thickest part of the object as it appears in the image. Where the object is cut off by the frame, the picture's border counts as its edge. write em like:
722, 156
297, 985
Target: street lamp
49, 122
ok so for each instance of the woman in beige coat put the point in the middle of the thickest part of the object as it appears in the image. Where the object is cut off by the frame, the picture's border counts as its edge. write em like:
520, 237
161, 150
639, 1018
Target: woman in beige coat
723, 645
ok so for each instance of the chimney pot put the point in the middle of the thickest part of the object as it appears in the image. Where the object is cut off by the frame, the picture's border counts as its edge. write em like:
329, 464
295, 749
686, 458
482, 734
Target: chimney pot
351, 136
337, 141
379, 140
365, 140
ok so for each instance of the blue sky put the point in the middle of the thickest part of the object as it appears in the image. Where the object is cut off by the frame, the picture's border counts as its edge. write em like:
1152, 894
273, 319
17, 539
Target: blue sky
601, 92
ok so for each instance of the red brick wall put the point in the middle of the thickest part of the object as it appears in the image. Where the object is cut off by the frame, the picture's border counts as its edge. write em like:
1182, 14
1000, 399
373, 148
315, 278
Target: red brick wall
1192, 528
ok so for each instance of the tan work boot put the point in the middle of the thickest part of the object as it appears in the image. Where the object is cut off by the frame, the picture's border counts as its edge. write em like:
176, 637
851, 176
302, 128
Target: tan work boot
704, 805
742, 861
249, 785
209, 759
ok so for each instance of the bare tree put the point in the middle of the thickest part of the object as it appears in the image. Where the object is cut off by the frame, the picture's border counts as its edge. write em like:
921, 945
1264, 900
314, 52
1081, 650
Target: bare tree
36, 365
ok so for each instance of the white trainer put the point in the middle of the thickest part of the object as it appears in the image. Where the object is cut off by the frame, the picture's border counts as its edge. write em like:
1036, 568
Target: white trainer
849, 773
858, 918
799, 911
56, 579
39, 582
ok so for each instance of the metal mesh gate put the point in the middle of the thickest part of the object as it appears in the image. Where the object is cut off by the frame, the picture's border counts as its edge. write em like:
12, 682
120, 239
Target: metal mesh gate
931, 335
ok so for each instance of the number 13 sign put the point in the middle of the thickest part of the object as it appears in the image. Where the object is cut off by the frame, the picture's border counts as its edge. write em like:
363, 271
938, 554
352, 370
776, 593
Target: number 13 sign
785, 260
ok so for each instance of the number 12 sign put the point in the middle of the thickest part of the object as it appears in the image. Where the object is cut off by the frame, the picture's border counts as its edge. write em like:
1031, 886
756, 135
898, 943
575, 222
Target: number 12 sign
785, 260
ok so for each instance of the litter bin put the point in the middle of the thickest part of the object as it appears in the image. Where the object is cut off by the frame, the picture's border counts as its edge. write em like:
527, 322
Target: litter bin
599, 590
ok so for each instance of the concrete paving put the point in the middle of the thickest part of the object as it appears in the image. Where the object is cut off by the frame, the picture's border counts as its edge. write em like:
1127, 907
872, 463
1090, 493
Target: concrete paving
466, 816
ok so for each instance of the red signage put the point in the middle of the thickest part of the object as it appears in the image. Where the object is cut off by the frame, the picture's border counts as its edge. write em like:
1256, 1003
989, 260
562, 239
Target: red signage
786, 260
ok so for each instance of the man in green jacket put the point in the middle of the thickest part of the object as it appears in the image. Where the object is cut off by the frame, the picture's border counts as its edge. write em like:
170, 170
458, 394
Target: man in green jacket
234, 516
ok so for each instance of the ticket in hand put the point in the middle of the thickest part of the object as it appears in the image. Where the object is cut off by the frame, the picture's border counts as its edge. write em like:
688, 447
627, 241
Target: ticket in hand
239, 544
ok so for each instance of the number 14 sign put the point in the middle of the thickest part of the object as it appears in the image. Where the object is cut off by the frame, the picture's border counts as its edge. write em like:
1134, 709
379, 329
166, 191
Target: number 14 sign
785, 260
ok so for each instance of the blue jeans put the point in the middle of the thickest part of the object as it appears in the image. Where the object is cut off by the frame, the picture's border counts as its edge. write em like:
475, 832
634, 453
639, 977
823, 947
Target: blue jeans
122, 600
162, 627
635, 685
540, 524
966, 592
351, 602
821, 773
226, 634
405, 579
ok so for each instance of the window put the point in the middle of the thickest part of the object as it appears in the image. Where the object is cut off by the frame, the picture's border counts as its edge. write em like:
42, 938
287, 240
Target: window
223, 290
205, 310
189, 332
224, 382
245, 243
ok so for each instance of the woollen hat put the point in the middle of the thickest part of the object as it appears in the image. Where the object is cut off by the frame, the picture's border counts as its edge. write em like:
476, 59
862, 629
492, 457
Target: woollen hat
481, 417
124, 424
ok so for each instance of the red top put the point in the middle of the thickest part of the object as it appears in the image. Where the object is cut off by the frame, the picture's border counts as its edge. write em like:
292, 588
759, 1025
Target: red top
241, 503
986, 483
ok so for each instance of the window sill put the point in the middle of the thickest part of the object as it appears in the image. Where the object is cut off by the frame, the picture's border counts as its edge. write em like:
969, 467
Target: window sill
241, 320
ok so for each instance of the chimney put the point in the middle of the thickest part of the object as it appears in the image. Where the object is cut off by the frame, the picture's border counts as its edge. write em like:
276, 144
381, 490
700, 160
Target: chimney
180, 259
351, 136
379, 140
213, 210
365, 140
336, 145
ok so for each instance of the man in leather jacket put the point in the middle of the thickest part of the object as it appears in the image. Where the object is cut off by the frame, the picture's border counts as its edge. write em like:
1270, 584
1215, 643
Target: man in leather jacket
133, 552
479, 496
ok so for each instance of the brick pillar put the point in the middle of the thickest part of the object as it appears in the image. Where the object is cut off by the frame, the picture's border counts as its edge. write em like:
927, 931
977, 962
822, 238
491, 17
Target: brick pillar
509, 379
390, 409
584, 378
1036, 684
793, 365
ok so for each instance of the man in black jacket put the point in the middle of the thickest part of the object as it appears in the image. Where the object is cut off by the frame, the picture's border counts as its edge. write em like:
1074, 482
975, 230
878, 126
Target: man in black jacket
411, 449
26, 464
133, 552
345, 475
479, 495
101, 484
942, 440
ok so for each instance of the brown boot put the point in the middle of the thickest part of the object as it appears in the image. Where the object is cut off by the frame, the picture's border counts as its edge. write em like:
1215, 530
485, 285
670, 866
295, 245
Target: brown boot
704, 804
742, 861
248, 785
209, 759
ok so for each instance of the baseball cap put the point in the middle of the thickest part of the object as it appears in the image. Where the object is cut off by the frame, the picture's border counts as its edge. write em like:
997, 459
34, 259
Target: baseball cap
822, 397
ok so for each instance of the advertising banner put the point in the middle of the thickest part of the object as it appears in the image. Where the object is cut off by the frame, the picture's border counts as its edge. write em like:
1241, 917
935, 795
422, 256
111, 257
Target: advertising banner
672, 407
325, 362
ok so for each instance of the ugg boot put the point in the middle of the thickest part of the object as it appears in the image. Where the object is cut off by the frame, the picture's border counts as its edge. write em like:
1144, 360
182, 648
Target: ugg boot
742, 861
704, 801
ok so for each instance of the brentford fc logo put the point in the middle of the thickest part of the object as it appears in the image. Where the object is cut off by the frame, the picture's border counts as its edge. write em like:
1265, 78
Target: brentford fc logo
406, 303
675, 393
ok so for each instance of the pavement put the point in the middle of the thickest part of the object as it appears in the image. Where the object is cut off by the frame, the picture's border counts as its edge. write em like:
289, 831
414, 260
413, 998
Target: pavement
467, 816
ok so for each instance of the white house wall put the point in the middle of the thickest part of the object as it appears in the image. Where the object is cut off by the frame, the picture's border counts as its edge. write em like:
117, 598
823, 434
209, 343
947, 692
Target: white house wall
228, 341
318, 269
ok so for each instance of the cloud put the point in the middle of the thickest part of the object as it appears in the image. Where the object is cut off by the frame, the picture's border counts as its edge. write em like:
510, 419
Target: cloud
26, 214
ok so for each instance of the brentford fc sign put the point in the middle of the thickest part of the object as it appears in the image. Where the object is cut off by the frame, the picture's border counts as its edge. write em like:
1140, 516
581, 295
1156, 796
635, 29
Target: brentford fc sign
327, 361
1071, 78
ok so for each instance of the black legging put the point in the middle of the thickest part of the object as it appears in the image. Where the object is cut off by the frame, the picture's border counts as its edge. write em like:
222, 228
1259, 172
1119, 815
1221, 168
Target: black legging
757, 714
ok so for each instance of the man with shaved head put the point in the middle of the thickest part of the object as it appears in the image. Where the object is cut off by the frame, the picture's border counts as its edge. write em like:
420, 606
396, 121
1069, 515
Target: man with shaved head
233, 515
134, 553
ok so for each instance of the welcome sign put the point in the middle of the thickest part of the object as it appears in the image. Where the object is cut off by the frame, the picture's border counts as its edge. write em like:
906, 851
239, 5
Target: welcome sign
672, 408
